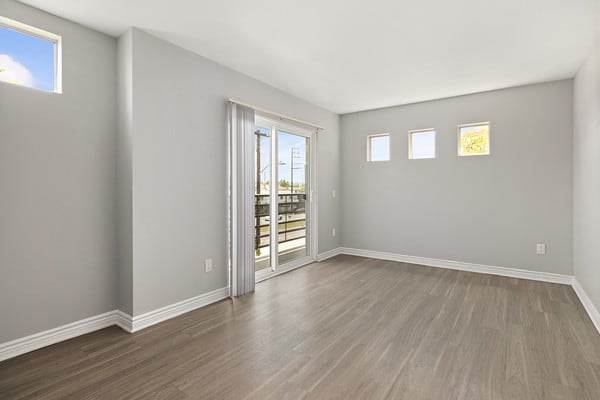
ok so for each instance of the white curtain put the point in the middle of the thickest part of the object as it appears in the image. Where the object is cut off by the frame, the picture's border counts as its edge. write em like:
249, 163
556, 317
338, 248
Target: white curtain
241, 198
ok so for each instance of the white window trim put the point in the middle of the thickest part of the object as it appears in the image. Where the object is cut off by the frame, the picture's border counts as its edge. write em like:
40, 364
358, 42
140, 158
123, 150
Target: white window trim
410, 133
44, 35
369, 137
489, 124
276, 124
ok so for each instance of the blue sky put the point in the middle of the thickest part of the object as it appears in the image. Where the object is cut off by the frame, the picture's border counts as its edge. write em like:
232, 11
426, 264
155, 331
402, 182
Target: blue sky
285, 144
380, 148
33, 54
423, 144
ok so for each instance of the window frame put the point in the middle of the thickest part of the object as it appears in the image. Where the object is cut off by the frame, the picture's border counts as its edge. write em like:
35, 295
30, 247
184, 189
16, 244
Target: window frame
53, 38
489, 125
369, 137
410, 133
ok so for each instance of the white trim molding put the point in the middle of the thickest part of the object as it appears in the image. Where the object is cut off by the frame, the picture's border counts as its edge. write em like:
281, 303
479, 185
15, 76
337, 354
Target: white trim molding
133, 324
51, 336
123, 321
289, 266
329, 254
119, 318
150, 318
587, 303
53, 38
462, 266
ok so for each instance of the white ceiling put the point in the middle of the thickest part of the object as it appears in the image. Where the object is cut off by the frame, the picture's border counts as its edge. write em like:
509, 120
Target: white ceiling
350, 55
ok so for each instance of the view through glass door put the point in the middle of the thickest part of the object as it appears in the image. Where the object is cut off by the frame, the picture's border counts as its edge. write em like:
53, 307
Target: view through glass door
283, 187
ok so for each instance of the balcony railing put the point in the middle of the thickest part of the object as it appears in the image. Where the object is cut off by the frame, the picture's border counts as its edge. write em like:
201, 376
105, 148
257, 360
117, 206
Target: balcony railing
292, 218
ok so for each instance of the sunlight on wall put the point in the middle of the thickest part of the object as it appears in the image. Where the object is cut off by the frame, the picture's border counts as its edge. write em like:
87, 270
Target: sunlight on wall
474, 140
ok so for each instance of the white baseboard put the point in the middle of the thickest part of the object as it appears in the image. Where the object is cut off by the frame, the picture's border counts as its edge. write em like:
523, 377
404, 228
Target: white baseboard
328, 254
46, 338
133, 324
123, 321
587, 304
119, 318
462, 266
162, 314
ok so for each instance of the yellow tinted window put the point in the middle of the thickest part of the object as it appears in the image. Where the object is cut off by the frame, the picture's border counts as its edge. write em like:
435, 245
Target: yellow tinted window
474, 140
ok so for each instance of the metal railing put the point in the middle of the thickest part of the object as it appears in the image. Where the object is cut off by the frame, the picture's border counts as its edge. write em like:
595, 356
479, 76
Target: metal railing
292, 218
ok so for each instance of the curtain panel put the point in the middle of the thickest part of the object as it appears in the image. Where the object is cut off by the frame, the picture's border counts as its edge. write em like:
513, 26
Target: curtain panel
241, 198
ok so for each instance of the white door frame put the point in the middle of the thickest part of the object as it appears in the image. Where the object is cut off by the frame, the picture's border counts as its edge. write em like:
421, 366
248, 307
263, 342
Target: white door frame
275, 125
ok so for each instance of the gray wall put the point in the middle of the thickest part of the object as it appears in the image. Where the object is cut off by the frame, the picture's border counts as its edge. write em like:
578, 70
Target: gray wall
587, 175
488, 209
179, 168
66, 254
58, 185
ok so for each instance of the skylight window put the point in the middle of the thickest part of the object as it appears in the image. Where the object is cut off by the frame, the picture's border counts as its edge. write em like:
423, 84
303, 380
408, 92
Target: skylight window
29, 56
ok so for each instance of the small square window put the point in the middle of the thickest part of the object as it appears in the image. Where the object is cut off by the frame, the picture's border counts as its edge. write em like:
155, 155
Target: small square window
29, 56
474, 139
378, 147
421, 144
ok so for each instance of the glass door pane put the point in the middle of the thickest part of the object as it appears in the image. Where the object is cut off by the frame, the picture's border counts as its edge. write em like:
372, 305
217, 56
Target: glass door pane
262, 201
293, 207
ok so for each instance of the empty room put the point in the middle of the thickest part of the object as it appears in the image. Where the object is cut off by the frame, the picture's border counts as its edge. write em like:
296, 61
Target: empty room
300, 199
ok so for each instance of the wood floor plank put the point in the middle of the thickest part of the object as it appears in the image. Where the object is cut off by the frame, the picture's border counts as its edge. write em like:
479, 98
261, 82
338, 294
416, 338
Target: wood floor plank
346, 328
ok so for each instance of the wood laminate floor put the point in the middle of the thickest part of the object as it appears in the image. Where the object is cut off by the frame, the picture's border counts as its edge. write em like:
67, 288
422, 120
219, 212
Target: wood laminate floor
347, 328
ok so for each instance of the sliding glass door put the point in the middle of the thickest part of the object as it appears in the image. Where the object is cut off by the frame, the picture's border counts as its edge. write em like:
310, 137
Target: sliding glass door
262, 198
293, 221
283, 234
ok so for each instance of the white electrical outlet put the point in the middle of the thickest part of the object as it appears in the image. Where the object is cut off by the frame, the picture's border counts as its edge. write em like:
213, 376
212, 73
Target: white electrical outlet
540, 248
208, 265
333, 232
333, 193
